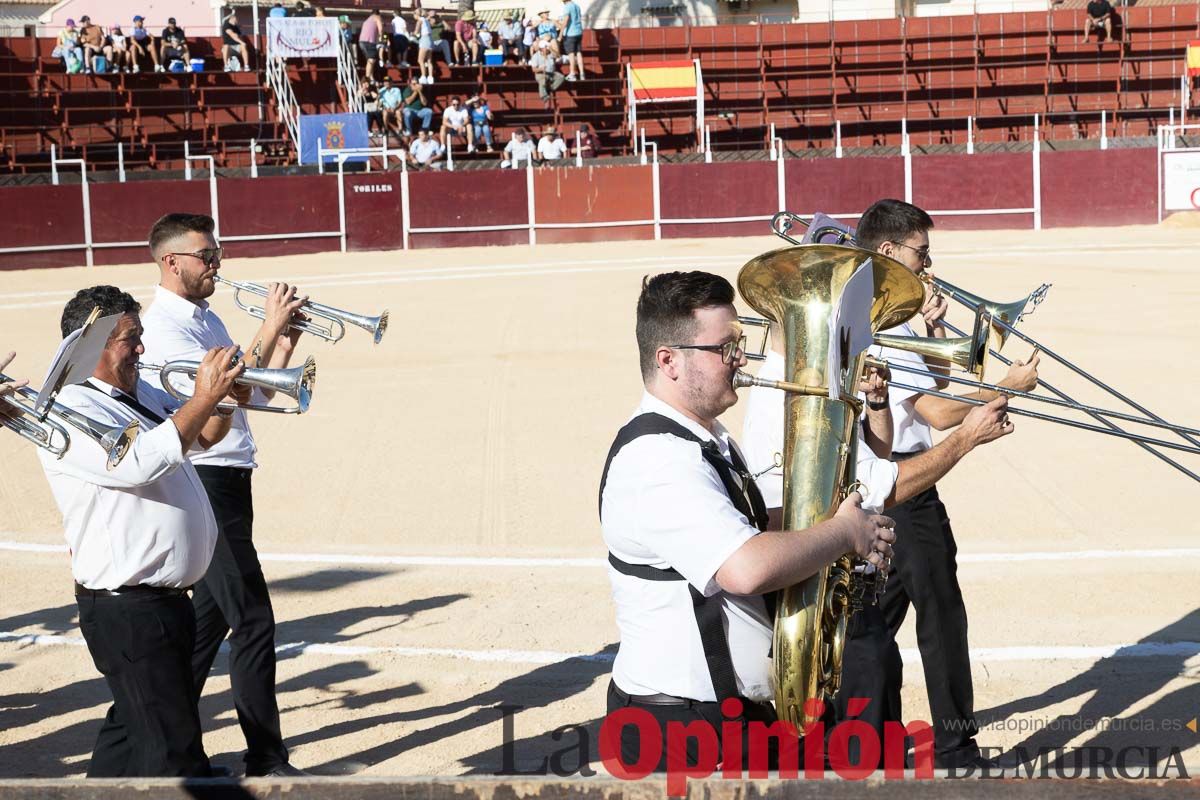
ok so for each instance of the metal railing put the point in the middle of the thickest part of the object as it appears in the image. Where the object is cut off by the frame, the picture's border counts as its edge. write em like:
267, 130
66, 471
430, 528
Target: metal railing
285, 98
347, 76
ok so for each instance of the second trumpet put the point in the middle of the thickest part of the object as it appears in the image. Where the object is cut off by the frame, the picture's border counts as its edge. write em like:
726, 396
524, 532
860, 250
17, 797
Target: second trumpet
336, 318
297, 383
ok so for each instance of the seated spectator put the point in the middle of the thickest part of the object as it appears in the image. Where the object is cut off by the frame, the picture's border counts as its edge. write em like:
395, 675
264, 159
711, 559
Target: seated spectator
368, 41
547, 27
369, 97
486, 39
91, 36
589, 143
174, 46
277, 10
401, 41
231, 39
142, 45
68, 48
425, 152
511, 33
118, 51
391, 100
1099, 17
551, 147
545, 69
481, 121
466, 40
413, 104
437, 32
456, 121
571, 25
519, 150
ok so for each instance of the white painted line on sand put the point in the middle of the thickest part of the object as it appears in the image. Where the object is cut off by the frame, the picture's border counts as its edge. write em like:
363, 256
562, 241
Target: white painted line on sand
1178, 555
1181, 650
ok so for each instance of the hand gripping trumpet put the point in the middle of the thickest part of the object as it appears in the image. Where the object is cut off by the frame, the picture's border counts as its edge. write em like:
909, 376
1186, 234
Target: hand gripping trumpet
336, 318
51, 434
297, 383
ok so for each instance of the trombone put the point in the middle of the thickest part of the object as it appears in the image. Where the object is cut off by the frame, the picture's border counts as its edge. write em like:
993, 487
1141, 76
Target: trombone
337, 319
51, 434
297, 383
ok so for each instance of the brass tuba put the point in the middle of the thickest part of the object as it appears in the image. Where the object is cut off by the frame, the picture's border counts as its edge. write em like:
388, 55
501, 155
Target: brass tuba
798, 288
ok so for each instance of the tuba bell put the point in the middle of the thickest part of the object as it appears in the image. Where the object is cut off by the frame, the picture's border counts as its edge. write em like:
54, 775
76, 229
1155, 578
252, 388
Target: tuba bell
798, 288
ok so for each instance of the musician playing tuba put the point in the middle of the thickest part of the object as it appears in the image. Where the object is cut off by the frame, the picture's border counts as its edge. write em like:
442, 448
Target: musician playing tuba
691, 560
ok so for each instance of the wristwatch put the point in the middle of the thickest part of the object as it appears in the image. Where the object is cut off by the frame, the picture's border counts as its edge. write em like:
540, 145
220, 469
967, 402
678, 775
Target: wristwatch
880, 406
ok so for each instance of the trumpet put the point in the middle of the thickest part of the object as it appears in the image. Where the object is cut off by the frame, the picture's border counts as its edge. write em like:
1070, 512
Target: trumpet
51, 434
337, 319
297, 383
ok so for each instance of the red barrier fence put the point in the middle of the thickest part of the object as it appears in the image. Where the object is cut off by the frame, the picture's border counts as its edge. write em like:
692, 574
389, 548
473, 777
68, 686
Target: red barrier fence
46, 226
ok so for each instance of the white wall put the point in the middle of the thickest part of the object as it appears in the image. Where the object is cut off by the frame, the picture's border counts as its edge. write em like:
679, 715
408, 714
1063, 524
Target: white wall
945, 8
196, 17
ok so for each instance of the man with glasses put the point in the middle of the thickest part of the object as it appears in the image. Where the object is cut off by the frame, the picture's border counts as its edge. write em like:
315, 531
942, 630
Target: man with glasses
692, 563
925, 571
232, 597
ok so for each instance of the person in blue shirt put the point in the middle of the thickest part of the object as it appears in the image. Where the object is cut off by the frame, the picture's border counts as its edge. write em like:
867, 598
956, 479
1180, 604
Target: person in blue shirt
277, 10
481, 120
547, 27
571, 24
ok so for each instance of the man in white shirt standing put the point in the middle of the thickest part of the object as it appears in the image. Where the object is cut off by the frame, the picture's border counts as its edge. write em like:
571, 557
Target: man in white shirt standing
689, 563
871, 665
925, 569
232, 597
141, 535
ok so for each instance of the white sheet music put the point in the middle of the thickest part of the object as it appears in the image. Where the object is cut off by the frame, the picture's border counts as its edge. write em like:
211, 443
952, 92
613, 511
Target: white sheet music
75, 360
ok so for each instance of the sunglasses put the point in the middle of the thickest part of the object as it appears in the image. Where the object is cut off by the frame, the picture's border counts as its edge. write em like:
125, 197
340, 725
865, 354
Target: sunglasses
208, 255
922, 253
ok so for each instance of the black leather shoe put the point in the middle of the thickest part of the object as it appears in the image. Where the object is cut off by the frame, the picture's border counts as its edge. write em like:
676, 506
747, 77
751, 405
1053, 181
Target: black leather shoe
284, 771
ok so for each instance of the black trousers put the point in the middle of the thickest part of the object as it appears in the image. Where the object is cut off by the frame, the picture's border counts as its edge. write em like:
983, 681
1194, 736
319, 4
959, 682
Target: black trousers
685, 714
924, 576
142, 644
232, 598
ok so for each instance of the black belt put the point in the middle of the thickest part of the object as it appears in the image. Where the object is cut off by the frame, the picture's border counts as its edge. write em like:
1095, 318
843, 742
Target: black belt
164, 591
655, 699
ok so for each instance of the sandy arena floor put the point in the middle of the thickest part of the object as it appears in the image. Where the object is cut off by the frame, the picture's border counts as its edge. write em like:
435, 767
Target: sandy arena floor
430, 533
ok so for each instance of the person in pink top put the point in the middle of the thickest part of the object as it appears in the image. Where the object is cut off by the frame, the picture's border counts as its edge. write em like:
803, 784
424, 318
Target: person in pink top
368, 41
465, 39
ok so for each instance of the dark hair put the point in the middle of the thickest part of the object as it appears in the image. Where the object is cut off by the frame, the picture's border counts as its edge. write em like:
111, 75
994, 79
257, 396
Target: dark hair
109, 299
890, 221
170, 226
666, 310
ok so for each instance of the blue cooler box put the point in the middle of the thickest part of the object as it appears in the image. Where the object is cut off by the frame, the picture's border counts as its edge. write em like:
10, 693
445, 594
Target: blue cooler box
493, 58
197, 65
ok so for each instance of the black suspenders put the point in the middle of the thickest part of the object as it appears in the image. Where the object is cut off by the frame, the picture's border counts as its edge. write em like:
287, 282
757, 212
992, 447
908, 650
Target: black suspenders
744, 495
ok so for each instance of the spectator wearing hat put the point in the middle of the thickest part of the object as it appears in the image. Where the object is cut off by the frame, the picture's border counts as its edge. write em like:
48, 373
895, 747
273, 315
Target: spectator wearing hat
588, 144
546, 27
571, 25
117, 50
425, 152
401, 40
68, 48
91, 37
486, 38
510, 34
544, 63
413, 104
466, 39
390, 101
174, 45
347, 34
142, 44
481, 120
551, 148
231, 39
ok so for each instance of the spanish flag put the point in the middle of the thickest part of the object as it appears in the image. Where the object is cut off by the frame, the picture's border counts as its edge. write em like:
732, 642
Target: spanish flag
1193, 58
663, 80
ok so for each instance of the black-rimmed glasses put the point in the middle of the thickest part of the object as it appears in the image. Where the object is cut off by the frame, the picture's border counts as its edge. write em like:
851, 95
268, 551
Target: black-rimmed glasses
922, 253
730, 351
208, 255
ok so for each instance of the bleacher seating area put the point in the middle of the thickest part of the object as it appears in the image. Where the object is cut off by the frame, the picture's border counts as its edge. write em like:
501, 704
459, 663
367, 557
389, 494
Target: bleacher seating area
998, 69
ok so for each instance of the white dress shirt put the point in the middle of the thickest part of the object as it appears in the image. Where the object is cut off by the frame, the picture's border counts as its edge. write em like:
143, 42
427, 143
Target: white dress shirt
910, 432
177, 329
665, 506
762, 437
148, 520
